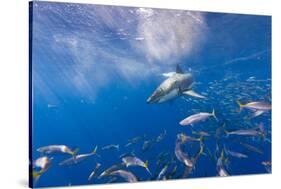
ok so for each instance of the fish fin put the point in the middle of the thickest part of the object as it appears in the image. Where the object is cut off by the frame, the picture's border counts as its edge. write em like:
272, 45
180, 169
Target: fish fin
146, 164
262, 131
214, 115
222, 154
204, 154
128, 144
226, 132
37, 174
256, 114
146, 167
74, 153
178, 69
240, 105
194, 94
95, 150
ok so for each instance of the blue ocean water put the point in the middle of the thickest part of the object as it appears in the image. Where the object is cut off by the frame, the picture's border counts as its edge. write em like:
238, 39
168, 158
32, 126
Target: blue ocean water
93, 68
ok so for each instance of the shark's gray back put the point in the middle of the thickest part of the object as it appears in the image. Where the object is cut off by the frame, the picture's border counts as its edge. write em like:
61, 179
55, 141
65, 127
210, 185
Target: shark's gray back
181, 81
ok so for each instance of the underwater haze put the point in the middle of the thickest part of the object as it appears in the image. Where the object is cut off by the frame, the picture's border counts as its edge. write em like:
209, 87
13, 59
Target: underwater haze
127, 94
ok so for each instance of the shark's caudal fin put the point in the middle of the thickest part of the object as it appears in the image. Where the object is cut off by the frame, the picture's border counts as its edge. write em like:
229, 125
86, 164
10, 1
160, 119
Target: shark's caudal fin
194, 94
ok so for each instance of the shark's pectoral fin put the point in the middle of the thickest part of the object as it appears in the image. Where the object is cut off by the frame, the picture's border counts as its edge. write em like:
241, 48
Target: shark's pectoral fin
168, 74
194, 94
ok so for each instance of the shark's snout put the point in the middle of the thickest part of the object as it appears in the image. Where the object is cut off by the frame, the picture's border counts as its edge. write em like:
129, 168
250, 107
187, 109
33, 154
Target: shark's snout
149, 100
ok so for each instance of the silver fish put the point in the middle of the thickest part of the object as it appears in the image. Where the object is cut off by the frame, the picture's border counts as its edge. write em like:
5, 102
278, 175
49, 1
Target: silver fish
243, 132
134, 161
184, 138
161, 136
78, 158
162, 172
235, 154
134, 140
111, 169
181, 156
128, 176
256, 114
267, 166
132, 153
201, 133
251, 148
111, 147
56, 149
147, 145
262, 106
94, 172
42, 162
221, 167
190, 120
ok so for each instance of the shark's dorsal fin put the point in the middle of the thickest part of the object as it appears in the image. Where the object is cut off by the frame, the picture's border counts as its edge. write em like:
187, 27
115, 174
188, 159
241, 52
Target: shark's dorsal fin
178, 69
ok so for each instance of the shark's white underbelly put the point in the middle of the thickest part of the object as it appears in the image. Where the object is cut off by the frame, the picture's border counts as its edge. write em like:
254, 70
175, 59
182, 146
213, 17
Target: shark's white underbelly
170, 95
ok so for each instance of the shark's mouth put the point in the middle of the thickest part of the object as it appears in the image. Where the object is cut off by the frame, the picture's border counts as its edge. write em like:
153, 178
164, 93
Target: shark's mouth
156, 96
160, 96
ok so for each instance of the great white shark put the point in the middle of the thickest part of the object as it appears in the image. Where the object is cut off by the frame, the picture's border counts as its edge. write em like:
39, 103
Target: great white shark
177, 84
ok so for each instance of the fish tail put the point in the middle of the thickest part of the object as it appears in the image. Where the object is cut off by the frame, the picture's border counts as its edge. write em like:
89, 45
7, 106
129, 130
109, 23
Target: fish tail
73, 153
95, 150
263, 135
201, 139
146, 167
146, 164
222, 154
226, 132
202, 150
240, 105
37, 174
214, 115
